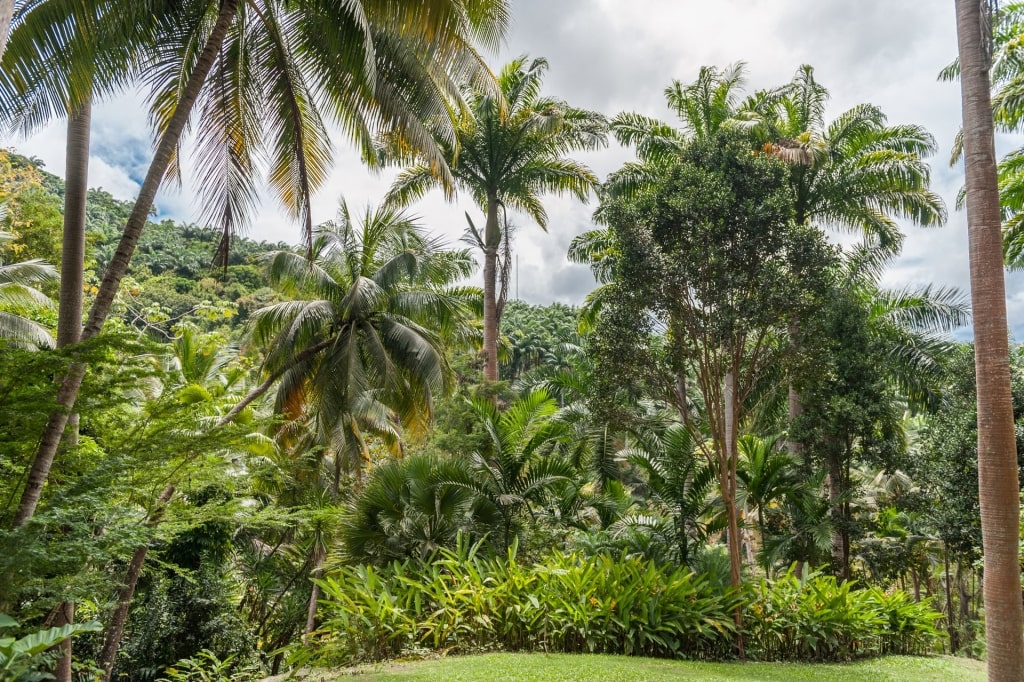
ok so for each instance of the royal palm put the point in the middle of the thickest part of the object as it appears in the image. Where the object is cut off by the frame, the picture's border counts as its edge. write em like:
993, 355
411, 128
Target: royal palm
509, 151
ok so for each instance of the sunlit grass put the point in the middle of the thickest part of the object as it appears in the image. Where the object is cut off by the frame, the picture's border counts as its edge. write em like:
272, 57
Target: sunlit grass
579, 668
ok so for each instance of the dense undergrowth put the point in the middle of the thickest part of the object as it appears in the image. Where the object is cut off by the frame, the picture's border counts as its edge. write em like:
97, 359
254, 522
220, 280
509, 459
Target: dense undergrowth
465, 602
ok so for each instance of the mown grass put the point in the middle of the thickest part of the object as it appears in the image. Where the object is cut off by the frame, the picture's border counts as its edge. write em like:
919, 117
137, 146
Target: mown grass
583, 668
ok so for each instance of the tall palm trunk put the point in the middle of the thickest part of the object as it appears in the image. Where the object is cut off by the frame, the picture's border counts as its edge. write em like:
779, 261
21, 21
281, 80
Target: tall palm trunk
319, 557
115, 629
998, 487
492, 241
6, 14
72, 269
69, 316
68, 392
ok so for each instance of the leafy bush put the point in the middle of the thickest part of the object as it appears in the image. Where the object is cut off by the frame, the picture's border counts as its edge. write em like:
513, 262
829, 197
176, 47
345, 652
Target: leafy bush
26, 659
468, 603
820, 618
463, 602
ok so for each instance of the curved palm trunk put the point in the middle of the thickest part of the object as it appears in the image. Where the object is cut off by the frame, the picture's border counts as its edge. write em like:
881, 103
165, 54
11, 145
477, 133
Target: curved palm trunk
998, 487
6, 14
492, 241
68, 392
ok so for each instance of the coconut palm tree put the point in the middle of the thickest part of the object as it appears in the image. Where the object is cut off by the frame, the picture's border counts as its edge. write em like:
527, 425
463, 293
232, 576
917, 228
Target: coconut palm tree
266, 77
17, 290
509, 151
359, 347
367, 323
998, 485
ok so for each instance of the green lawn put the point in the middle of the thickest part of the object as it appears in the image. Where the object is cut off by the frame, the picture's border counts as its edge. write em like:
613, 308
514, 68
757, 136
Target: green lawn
570, 668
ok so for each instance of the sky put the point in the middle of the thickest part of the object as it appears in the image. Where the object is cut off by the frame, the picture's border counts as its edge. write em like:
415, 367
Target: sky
619, 55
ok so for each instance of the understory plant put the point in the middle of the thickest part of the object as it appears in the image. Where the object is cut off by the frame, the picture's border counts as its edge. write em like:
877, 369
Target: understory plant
463, 602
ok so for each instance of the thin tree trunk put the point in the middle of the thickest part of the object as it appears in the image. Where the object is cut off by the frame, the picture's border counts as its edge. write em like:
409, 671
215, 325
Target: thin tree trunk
492, 241
728, 476
166, 147
835, 492
6, 14
998, 486
795, 404
72, 269
954, 640
112, 642
314, 596
65, 616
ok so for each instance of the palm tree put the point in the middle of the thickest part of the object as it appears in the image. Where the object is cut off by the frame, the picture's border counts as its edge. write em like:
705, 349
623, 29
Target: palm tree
766, 474
359, 348
17, 290
703, 107
367, 325
411, 508
998, 485
274, 71
679, 479
856, 173
509, 151
522, 461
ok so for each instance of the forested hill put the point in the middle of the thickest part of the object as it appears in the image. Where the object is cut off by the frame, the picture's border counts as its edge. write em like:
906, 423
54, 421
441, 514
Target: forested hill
172, 272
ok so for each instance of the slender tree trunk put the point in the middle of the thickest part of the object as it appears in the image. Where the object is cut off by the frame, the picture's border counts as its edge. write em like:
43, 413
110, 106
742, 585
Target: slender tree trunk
954, 640
112, 641
76, 183
998, 486
68, 392
492, 241
314, 596
729, 480
728, 477
835, 493
69, 316
6, 14
65, 616
795, 403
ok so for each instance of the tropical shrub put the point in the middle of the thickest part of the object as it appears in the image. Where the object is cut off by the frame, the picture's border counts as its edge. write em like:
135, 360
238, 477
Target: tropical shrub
821, 618
464, 602
25, 659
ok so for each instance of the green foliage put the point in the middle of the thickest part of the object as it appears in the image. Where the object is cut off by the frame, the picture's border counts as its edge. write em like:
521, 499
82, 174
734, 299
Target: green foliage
27, 658
820, 618
206, 666
465, 602
411, 507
